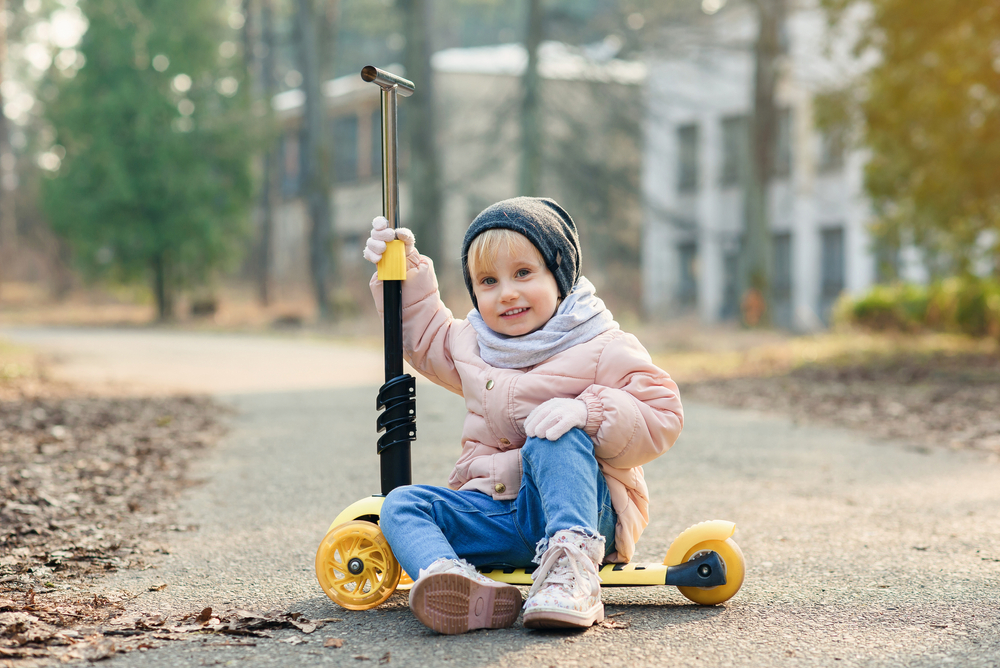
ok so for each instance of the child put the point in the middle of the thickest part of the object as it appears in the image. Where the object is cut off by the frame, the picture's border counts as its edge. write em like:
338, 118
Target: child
564, 408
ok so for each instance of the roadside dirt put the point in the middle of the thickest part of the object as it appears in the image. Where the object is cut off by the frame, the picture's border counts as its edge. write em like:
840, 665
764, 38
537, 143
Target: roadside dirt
86, 488
929, 390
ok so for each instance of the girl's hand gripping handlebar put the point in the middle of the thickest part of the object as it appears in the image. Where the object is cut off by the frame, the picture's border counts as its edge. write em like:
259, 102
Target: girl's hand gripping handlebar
381, 239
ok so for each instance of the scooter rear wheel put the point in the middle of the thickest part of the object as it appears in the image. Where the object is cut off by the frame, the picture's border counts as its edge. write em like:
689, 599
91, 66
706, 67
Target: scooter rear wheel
356, 567
732, 557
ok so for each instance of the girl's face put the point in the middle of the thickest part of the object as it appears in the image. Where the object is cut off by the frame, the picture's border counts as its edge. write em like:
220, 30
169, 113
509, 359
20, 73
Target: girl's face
518, 294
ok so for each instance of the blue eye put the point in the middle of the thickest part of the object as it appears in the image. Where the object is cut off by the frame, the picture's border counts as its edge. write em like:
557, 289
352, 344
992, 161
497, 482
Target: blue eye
522, 272
489, 280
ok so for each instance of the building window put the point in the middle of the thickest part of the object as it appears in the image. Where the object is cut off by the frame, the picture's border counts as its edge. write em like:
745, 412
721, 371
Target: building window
345, 148
734, 145
781, 280
831, 149
291, 163
687, 292
831, 268
832, 119
783, 144
687, 141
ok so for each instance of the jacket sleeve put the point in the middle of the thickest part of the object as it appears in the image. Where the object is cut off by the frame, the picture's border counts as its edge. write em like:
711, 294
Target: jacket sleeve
634, 411
427, 323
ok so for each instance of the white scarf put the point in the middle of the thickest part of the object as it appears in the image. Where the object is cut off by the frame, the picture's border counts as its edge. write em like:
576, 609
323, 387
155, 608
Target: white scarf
580, 317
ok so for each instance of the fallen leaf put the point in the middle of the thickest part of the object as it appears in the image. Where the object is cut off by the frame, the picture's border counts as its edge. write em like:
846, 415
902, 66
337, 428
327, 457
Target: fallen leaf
294, 640
361, 657
158, 587
334, 642
384, 659
22, 652
92, 649
12, 623
205, 616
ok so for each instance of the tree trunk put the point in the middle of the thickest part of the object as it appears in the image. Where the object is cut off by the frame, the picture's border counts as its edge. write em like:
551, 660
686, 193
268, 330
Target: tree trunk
763, 133
531, 129
265, 78
317, 152
8, 177
162, 289
422, 171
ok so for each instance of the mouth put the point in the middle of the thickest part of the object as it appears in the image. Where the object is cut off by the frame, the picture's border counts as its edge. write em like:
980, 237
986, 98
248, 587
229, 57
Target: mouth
513, 312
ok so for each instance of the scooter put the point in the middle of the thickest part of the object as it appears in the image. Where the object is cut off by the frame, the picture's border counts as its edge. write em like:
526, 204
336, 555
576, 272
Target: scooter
354, 563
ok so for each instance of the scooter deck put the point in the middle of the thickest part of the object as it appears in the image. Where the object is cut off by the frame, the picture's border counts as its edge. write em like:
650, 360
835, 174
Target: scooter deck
622, 575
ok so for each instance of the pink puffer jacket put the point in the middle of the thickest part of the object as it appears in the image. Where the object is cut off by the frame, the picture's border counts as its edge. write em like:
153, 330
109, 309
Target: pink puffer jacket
634, 411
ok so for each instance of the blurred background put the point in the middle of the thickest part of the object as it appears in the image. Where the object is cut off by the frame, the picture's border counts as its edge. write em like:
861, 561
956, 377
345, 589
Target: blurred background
780, 164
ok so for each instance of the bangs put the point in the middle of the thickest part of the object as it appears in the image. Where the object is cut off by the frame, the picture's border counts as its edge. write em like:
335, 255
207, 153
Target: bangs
485, 247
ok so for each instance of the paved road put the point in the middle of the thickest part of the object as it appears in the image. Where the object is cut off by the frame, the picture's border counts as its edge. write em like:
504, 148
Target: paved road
859, 553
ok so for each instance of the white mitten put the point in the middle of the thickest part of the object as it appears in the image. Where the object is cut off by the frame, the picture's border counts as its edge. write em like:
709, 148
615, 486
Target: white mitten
381, 233
552, 419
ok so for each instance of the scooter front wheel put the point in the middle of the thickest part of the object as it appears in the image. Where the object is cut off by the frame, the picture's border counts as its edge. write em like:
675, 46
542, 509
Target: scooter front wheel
732, 557
356, 567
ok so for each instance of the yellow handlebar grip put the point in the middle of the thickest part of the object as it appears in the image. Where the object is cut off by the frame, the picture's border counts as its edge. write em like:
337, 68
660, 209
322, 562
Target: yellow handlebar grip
392, 266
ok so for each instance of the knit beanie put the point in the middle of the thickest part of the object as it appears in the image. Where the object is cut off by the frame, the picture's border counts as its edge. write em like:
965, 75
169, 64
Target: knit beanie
545, 224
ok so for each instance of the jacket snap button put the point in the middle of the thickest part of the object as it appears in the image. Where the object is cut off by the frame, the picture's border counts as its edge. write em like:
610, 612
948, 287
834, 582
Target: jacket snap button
489, 385
505, 441
500, 488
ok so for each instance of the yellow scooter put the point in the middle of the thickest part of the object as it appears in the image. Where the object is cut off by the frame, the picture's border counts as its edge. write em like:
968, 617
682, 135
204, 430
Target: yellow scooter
354, 564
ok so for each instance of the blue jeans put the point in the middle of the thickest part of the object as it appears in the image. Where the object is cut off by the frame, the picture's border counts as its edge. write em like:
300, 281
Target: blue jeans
561, 488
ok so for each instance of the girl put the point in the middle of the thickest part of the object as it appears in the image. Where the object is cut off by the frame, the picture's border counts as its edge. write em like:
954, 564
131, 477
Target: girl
564, 408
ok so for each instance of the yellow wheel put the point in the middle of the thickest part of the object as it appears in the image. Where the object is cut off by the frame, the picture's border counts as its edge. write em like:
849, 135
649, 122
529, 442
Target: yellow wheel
405, 582
355, 566
732, 558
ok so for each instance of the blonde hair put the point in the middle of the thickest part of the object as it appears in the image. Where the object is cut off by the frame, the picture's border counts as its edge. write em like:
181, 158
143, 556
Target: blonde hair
486, 246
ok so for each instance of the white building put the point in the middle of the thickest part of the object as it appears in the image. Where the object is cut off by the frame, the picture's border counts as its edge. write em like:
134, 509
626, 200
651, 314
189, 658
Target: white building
699, 99
477, 106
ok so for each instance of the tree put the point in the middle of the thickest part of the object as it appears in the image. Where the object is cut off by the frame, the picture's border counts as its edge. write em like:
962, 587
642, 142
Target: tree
931, 113
763, 128
531, 121
155, 183
8, 219
260, 56
422, 172
315, 49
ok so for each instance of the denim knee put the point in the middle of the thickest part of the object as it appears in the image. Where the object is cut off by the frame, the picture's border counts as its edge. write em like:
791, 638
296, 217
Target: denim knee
574, 438
396, 503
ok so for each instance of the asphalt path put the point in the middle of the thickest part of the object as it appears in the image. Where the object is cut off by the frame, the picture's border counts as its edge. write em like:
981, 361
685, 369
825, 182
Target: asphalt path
859, 553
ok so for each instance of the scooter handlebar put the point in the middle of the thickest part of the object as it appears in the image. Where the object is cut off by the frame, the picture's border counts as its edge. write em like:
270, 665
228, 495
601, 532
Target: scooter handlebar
387, 80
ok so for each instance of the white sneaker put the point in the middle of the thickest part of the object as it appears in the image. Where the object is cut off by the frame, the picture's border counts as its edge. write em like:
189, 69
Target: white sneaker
567, 589
450, 596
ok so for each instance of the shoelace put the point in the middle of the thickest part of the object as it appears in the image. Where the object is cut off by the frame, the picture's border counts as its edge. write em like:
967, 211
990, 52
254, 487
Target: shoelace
561, 566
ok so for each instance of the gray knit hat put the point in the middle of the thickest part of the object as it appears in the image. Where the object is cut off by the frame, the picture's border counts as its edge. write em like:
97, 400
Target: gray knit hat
545, 224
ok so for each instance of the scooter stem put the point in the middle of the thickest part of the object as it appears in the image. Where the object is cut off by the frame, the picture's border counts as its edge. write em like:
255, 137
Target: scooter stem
397, 396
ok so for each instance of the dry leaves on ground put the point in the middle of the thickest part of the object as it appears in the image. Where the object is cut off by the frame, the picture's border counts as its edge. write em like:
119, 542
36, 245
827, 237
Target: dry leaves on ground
86, 487
932, 397
84, 480
26, 636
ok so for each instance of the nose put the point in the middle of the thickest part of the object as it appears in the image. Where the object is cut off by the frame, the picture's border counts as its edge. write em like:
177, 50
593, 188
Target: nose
508, 291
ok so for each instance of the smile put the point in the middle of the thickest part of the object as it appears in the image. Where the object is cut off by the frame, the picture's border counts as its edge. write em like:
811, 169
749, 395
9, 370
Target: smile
513, 311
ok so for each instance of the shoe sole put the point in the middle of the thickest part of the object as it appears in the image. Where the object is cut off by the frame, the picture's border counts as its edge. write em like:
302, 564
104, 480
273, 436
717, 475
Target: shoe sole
450, 604
559, 618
